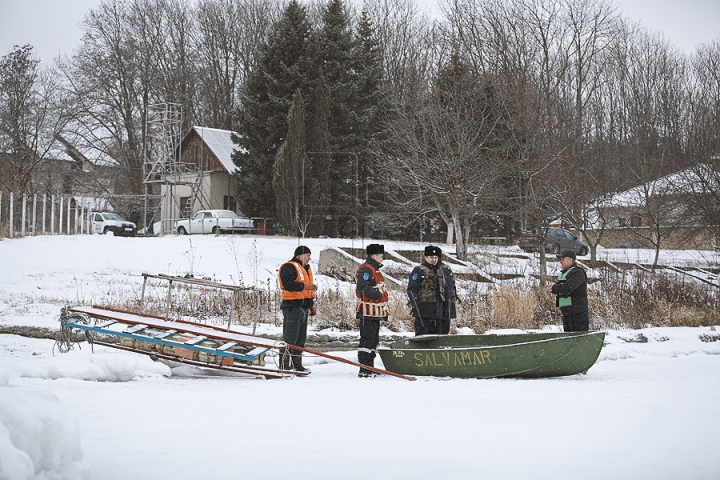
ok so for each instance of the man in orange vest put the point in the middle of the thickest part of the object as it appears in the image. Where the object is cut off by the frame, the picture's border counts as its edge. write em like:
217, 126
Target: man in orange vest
298, 294
372, 306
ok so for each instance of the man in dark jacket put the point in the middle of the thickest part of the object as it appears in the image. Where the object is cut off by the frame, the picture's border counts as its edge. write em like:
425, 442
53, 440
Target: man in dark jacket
571, 291
372, 307
135, 218
298, 294
431, 290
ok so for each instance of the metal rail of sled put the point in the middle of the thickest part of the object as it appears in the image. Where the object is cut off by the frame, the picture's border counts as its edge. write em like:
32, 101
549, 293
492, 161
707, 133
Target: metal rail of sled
188, 342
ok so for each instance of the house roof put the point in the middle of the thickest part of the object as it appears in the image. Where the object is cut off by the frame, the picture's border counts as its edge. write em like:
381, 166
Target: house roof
221, 144
685, 181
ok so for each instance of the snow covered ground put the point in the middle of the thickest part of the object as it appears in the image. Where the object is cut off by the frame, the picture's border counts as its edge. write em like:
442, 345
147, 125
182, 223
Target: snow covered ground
646, 410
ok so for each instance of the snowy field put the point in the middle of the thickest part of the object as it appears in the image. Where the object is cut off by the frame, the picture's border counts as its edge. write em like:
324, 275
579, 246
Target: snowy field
644, 411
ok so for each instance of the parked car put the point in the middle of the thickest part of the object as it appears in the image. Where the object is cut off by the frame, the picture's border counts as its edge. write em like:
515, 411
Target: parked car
106, 222
214, 221
558, 240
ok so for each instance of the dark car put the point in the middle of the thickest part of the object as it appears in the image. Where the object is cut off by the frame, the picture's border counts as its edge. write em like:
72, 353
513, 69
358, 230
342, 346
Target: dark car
558, 240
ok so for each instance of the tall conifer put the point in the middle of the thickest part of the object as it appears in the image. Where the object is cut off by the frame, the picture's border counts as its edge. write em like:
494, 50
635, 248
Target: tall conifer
266, 98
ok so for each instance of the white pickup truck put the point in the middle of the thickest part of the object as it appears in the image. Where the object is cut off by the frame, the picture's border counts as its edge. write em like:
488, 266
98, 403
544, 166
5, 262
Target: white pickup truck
106, 222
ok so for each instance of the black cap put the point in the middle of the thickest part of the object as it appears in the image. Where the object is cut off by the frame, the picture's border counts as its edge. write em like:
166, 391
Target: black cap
432, 251
374, 248
301, 250
567, 253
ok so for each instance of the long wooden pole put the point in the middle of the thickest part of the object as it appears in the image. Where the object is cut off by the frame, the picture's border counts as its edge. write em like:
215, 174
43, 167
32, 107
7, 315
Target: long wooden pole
350, 362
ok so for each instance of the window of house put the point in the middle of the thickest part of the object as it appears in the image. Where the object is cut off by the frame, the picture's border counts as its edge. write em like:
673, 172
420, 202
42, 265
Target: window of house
636, 221
623, 221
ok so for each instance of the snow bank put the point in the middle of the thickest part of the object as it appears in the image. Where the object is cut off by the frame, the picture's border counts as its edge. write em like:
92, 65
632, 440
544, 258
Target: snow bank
32, 358
39, 437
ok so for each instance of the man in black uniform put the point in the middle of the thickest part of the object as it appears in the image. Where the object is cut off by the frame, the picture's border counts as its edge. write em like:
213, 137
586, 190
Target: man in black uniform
431, 290
372, 305
571, 291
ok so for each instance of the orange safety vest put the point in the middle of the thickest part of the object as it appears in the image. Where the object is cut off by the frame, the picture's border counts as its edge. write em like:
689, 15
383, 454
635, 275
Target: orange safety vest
371, 307
304, 276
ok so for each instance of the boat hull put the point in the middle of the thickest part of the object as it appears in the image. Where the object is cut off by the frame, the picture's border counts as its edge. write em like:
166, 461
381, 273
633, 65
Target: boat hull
531, 355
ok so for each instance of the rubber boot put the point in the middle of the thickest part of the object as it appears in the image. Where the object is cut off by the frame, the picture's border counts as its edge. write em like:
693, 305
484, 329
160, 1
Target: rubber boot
285, 359
365, 359
297, 362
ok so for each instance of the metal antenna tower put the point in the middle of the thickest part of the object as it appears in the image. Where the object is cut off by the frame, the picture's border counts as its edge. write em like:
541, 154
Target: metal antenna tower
161, 165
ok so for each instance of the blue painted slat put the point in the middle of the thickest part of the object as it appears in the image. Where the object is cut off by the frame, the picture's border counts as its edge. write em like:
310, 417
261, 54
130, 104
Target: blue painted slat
248, 357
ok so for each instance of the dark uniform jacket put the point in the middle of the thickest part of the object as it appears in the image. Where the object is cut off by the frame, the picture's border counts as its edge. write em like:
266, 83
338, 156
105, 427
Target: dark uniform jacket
575, 286
431, 291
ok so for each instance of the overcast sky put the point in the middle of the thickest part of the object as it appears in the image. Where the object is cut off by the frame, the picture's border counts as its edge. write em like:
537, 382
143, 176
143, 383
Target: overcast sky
52, 26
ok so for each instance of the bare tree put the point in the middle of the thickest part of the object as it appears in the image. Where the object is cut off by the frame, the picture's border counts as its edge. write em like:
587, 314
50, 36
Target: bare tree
28, 117
228, 35
704, 137
410, 44
447, 151
110, 81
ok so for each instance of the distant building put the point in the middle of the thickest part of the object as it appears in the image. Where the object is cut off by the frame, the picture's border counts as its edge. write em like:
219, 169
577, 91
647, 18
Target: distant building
673, 202
205, 174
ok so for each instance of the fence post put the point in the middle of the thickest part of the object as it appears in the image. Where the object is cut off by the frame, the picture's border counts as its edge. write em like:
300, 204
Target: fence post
0, 206
44, 212
12, 201
68, 217
34, 215
60, 217
23, 216
52, 214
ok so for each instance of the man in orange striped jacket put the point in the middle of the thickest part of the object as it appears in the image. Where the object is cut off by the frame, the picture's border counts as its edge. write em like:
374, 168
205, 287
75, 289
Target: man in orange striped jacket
298, 294
372, 305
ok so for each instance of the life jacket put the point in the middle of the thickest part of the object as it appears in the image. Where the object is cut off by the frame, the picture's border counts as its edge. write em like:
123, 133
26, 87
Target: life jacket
304, 276
564, 299
371, 307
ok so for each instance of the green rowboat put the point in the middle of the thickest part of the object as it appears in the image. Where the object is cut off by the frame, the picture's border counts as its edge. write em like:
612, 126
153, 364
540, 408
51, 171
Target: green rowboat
528, 355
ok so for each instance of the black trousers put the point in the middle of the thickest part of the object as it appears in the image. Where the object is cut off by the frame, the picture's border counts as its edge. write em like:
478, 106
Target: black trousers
432, 326
369, 339
576, 322
295, 325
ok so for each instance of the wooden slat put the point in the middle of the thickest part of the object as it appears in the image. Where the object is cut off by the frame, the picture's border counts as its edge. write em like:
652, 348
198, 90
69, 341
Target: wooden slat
167, 334
227, 346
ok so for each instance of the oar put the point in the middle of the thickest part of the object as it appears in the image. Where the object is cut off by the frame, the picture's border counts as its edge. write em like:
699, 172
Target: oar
350, 362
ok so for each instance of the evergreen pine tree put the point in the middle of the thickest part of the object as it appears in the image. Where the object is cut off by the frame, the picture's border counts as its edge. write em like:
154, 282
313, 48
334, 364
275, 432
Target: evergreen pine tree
289, 171
266, 98
331, 52
373, 107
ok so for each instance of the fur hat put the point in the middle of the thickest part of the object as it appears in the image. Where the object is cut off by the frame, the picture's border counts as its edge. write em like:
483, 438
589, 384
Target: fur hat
301, 250
374, 248
432, 251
